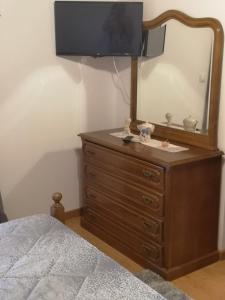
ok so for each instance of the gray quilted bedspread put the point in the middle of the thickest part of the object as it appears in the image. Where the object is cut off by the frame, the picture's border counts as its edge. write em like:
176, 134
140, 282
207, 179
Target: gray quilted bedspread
40, 258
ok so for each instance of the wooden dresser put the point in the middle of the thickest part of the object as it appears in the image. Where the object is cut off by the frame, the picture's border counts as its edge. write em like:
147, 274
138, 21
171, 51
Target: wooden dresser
159, 208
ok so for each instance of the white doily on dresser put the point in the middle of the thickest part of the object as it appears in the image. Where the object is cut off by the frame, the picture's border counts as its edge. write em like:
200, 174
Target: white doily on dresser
152, 143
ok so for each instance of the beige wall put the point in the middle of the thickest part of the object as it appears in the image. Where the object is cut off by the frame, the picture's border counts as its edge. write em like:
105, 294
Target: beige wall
201, 8
45, 101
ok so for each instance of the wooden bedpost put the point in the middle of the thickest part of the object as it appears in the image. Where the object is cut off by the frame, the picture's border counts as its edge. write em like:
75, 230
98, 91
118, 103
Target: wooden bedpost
57, 209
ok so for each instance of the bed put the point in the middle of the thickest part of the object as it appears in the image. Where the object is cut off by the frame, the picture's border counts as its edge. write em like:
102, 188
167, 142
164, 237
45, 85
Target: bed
40, 258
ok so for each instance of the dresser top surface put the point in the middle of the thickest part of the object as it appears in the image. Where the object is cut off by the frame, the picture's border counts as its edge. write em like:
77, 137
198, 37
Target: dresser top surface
148, 153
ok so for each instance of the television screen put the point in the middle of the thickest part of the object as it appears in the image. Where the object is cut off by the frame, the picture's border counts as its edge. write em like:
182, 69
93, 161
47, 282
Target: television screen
89, 28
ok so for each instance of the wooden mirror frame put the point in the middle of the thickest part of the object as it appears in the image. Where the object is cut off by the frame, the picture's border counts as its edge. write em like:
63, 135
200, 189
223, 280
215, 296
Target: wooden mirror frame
209, 140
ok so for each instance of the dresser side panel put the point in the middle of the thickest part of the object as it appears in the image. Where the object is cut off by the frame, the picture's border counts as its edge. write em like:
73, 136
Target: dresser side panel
193, 211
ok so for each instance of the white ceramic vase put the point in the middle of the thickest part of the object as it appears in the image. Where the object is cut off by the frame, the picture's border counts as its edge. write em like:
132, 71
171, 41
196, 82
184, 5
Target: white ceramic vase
190, 124
146, 130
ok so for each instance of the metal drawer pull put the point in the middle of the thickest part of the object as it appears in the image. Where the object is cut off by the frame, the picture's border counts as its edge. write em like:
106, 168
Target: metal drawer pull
147, 200
152, 227
148, 225
148, 173
151, 252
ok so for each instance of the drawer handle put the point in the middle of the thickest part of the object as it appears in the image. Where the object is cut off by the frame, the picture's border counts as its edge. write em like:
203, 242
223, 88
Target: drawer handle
151, 252
148, 225
152, 227
147, 200
152, 175
147, 173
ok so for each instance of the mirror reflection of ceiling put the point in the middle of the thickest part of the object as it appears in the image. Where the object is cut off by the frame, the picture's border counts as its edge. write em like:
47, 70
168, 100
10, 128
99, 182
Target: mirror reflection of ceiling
176, 82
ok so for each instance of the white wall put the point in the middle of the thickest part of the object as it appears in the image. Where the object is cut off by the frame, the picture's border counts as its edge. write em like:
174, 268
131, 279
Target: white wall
45, 101
201, 8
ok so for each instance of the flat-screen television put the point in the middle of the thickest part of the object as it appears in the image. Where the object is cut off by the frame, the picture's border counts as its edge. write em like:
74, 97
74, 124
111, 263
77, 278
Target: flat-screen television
91, 28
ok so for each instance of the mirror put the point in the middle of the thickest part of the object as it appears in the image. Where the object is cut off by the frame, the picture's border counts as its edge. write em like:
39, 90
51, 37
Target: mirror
176, 83
180, 72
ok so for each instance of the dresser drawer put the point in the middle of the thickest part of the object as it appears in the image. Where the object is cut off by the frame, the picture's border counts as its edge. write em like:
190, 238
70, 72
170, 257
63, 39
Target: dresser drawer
127, 167
147, 202
149, 251
146, 228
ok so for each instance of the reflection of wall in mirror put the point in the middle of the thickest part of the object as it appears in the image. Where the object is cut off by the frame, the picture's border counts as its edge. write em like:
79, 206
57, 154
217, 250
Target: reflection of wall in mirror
176, 82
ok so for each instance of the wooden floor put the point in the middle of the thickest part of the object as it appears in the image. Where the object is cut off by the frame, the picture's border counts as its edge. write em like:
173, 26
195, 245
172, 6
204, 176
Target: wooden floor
205, 284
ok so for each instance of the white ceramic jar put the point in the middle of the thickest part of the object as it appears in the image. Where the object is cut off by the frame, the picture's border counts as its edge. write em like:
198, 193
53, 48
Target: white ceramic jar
190, 123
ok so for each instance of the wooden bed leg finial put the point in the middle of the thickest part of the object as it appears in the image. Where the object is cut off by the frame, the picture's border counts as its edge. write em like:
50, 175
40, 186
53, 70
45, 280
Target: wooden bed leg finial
57, 209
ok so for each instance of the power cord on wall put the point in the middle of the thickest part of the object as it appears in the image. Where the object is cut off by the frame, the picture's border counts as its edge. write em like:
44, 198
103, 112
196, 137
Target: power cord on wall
122, 87
141, 57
